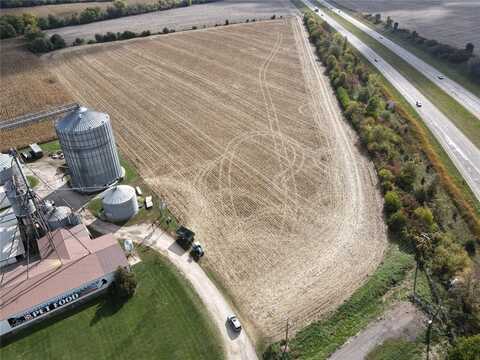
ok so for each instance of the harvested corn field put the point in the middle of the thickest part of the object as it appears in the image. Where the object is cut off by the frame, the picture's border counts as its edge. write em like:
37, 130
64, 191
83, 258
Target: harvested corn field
201, 15
66, 10
237, 127
453, 22
27, 86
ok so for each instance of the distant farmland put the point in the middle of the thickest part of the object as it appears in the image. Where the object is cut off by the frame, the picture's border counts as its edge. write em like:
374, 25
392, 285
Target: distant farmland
65, 10
60, 10
239, 130
183, 18
454, 22
27, 86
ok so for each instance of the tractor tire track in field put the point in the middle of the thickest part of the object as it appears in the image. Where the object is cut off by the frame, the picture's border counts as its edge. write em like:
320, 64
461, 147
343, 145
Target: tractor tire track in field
283, 201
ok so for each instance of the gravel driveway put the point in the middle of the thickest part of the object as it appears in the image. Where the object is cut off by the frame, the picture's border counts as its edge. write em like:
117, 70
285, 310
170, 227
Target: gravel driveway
236, 345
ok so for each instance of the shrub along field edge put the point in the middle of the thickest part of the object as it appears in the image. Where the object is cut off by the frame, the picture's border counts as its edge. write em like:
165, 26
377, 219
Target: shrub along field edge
418, 200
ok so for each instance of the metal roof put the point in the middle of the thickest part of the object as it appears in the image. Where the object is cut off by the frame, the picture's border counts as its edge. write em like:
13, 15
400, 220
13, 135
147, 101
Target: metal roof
5, 161
83, 260
118, 195
10, 239
35, 148
81, 120
4, 202
59, 213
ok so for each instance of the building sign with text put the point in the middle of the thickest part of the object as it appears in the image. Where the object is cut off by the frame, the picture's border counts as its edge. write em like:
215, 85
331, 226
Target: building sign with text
58, 302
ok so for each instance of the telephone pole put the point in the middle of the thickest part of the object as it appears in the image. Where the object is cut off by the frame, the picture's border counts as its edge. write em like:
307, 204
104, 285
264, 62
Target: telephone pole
285, 346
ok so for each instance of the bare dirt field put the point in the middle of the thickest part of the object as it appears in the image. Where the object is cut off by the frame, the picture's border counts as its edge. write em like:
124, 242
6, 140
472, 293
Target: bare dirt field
183, 18
232, 126
26, 86
60, 10
455, 22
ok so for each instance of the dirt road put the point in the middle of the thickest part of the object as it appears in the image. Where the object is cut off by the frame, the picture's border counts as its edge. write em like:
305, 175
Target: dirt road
404, 320
236, 345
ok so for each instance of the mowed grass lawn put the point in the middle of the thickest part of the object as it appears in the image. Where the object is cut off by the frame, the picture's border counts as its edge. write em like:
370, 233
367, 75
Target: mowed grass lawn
164, 320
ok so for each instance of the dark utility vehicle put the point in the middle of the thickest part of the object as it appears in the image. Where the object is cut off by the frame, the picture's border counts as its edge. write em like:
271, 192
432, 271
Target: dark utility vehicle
197, 251
185, 237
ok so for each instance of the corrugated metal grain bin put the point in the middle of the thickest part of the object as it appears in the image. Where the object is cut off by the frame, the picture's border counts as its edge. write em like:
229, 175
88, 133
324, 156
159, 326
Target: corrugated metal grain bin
120, 203
4, 202
87, 141
59, 217
5, 168
16, 191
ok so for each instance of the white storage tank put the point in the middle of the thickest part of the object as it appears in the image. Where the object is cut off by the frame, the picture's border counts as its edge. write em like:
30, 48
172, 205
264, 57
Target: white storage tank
59, 217
87, 141
120, 203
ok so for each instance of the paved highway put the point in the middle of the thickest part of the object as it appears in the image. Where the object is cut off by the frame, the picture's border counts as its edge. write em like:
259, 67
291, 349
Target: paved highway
464, 154
469, 100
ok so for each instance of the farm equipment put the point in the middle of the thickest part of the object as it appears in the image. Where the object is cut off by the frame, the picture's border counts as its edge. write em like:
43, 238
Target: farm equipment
185, 237
148, 202
197, 251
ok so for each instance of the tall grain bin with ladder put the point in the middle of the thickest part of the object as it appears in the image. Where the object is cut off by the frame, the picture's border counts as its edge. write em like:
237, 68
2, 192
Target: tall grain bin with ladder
87, 141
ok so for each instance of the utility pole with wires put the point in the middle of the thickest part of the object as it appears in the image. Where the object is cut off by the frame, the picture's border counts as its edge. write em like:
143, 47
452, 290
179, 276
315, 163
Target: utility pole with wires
415, 280
429, 331
285, 345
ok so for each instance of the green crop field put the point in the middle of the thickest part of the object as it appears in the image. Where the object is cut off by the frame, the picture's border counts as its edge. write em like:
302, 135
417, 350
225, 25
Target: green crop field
164, 320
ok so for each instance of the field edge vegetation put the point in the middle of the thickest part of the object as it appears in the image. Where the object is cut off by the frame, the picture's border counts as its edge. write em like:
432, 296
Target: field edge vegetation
415, 222
466, 122
429, 50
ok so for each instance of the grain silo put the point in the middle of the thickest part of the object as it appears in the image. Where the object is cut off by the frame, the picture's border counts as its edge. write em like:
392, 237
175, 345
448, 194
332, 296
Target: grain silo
5, 168
120, 203
87, 141
59, 217
15, 187
4, 202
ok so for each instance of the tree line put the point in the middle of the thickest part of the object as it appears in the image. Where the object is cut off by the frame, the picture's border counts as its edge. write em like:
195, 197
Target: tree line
38, 42
439, 50
14, 25
421, 209
25, 3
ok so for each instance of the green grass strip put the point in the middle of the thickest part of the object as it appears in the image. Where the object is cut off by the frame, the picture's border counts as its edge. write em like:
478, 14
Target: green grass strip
397, 349
165, 319
320, 339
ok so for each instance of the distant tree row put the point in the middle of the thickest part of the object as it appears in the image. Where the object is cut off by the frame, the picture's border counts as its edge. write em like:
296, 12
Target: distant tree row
39, 42
14, 25
110, 36
441, 51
